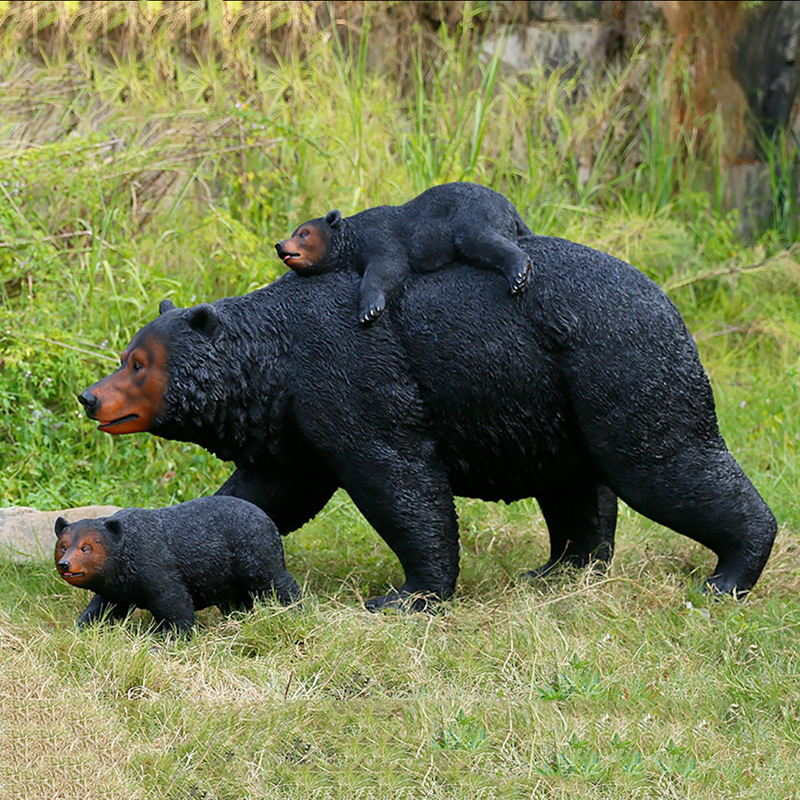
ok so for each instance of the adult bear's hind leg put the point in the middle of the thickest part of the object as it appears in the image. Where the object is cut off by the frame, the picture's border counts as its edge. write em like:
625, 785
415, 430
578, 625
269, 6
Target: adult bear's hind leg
581, 522
703, 494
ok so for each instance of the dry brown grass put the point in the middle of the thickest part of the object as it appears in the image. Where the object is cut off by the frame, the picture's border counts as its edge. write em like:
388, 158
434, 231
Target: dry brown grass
238, 34
57, 740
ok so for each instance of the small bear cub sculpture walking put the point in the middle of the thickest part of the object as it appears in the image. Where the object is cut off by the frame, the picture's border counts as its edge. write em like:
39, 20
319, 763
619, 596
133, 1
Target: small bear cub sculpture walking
447, 223
173, 561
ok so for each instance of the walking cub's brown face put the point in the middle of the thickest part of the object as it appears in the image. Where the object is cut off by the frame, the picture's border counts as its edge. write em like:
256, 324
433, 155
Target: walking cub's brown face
309, 245
82, 551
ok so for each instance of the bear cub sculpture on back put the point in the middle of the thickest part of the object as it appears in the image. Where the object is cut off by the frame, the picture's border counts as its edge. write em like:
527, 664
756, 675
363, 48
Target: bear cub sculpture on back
387, 243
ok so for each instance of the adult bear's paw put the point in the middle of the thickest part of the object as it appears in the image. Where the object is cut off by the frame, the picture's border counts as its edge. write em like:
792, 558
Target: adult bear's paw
401, 600
598, 567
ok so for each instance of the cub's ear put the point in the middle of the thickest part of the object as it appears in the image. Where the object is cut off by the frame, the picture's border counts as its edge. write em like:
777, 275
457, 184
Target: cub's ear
166, 305
61, 523
334, 218
204, 319
114, 527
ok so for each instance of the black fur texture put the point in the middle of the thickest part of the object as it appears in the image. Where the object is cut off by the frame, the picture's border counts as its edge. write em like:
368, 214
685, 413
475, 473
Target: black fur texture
444, 224
174, 561
586, 388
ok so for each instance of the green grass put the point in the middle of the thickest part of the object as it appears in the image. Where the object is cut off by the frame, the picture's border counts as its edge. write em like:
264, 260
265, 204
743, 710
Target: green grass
614, 688
125, 180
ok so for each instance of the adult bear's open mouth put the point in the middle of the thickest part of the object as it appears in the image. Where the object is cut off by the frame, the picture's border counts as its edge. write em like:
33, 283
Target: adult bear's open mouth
103, 426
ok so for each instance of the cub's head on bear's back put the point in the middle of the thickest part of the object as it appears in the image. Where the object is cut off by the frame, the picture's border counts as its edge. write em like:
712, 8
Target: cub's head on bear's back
84, 550
134, 397
310, 247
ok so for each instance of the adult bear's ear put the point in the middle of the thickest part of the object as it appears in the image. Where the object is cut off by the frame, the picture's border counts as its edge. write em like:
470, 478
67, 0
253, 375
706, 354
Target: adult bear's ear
114, 527
204, 319
166, 305
61, 523
334, 218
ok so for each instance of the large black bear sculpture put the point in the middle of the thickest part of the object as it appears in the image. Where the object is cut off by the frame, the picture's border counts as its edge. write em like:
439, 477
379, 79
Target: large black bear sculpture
585, 388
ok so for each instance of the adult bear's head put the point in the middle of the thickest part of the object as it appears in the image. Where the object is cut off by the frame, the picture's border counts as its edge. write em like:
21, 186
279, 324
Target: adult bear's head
312, 248
168, 375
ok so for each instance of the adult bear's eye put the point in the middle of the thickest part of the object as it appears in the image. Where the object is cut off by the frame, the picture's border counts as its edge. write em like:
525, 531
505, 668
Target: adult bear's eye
136, 366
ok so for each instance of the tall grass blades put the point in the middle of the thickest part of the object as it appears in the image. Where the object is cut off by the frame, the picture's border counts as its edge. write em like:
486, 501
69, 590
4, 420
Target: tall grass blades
781, 160
450, 107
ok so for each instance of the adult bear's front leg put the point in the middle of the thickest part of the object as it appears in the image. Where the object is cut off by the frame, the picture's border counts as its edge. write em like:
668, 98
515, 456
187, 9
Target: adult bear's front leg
289, 500
406, 496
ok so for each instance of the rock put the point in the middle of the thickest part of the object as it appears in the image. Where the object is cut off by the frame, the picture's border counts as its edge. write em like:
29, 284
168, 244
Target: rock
553, 11
748, 188
554, 44
768, 62
569, 35
27, 532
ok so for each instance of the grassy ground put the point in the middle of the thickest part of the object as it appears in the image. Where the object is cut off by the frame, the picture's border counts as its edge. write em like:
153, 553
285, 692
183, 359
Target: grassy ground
126, 180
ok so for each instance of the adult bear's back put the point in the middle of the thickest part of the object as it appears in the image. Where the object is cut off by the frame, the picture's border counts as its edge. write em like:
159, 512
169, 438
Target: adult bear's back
523, 390
585, 387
